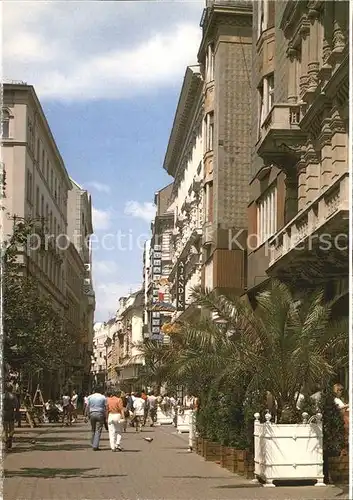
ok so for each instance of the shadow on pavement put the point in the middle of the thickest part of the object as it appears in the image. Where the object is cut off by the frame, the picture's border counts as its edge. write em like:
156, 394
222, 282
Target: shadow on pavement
237, 486
197, 477
48, 473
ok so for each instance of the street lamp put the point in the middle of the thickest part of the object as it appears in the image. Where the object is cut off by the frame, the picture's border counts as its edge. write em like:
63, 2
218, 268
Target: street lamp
107, 343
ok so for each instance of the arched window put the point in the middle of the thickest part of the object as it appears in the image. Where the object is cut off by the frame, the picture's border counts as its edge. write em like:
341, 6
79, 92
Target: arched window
5, 124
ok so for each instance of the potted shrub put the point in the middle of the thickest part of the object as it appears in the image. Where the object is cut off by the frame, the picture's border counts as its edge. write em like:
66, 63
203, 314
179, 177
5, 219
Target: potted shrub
283, 348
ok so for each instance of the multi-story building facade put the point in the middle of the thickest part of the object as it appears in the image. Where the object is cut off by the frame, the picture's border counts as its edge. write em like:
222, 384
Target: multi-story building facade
158, 293
126, 361
102, 343
184, 161
39, 189
37, 185
79, 231
225, 60
146, 286
299, 191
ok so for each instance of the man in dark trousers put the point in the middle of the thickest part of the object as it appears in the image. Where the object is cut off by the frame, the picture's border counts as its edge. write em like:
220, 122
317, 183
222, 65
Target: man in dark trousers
10, 408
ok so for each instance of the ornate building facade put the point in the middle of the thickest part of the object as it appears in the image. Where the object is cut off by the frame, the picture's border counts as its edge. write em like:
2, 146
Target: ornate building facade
299, 207
158, 292
184, 161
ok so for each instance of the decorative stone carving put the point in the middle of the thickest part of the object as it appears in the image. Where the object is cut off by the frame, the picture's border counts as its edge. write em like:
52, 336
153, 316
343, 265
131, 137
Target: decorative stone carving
339, 39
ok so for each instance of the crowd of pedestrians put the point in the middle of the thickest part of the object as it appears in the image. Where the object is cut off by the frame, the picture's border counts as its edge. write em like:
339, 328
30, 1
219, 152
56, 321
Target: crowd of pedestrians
113, 410
116, 411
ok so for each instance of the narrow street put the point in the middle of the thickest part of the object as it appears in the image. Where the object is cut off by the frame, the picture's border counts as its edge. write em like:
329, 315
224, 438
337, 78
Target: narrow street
53, 462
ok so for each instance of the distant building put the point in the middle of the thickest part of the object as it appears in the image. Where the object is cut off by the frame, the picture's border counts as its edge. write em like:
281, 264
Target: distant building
158, 293
125, 362
184, 161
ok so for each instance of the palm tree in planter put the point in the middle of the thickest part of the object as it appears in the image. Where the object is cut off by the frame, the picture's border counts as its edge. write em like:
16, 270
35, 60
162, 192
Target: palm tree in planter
285, 347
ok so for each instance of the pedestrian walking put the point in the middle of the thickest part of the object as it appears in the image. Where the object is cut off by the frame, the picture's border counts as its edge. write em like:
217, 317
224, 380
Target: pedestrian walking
74, 401
96, 412
152, 408
115, 411
67, 409
139, 411
85, 401
10, 408
126, 411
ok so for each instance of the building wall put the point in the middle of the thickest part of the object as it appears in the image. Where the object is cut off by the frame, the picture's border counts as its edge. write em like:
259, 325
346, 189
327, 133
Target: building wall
227, 42
308, 118
37, 184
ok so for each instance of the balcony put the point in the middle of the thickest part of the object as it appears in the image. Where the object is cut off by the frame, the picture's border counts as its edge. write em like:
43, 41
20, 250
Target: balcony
315, 242
207, 233
281, 139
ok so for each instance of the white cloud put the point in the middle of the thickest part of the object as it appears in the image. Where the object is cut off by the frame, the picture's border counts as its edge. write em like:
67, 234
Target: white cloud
108, 295
84, 50
105, 267
99, 186
102, 219
145, 211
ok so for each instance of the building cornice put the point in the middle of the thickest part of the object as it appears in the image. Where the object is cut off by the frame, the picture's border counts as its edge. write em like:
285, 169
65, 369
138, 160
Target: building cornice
236, 13
190, 95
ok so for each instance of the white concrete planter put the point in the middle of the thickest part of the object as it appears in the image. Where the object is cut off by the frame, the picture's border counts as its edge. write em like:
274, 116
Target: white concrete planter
183, 421
164, 418
288, 451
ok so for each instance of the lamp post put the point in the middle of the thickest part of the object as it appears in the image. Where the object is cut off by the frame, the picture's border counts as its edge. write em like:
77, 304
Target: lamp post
107, 343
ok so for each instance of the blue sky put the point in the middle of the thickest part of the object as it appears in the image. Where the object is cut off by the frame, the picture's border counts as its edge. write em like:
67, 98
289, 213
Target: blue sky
108, 75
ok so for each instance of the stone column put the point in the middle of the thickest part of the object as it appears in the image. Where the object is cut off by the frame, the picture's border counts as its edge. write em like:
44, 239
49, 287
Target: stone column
326, 155
339, 144
313, 63
304, 32
301, 185
291, 200
312, 173
340, 23
292, 54
328, 32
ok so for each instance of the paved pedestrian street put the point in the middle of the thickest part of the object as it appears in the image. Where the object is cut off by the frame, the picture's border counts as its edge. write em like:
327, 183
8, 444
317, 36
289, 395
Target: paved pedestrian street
54, 462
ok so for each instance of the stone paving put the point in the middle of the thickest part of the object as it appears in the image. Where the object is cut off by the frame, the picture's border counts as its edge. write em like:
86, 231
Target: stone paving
54, 462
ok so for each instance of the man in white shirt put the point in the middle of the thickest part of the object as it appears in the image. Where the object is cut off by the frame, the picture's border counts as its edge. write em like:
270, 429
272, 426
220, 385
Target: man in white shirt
152, 408
139, 411
74, 399
338, 391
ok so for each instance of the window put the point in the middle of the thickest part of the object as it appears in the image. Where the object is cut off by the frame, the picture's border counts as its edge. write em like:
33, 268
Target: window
267, 215
209, 131
266, 97
210, 64
56, 189
51, 180
30, 134
43, 160
42, 206
5, 124
29, 189
38, 151
266, 15
47, 172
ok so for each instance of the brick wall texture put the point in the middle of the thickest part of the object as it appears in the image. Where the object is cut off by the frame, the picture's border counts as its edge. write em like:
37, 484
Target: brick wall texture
232, 128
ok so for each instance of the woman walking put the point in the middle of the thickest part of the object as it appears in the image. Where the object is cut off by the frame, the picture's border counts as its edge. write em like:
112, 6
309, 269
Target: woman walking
115, 411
